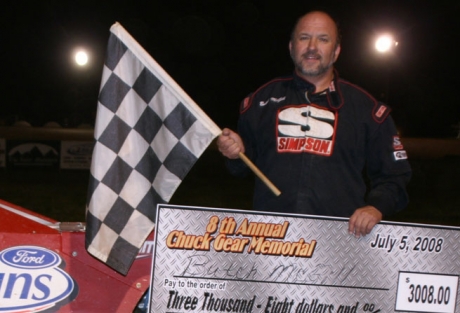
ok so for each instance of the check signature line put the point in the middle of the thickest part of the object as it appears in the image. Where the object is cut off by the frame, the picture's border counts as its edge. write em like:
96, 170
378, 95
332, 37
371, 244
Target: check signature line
284, 283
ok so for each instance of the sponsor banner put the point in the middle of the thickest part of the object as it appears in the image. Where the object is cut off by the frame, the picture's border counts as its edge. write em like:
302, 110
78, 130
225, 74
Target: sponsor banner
76, 154
2, 152
44, 267
32, 280
220, 260
33, 153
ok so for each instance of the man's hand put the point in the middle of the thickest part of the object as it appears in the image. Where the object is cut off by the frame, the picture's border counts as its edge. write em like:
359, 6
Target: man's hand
230, 144
363, 220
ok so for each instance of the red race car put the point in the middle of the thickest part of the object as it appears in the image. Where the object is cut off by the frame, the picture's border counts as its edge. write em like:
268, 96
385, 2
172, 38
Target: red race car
44, 266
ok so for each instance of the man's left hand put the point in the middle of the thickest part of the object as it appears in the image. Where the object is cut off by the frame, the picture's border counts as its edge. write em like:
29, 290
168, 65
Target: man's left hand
363, 220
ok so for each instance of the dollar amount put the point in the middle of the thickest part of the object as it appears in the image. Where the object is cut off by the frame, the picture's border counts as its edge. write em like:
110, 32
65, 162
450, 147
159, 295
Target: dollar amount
422, 292
428, 294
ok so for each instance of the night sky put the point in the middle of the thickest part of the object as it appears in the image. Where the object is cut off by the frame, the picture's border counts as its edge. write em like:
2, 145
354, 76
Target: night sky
219, 51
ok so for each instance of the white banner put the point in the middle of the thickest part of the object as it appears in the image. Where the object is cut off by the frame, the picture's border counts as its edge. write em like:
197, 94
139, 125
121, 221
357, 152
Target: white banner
76, 154
220, 260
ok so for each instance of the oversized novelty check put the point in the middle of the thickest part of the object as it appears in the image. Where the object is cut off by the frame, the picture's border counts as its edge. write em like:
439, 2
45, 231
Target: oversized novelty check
218, 260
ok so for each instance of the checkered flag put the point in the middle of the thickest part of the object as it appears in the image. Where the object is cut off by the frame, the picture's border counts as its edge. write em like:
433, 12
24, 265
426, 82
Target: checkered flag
148, 134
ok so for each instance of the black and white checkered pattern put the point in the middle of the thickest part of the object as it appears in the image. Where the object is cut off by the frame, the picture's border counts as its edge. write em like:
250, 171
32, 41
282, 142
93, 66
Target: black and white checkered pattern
148, 134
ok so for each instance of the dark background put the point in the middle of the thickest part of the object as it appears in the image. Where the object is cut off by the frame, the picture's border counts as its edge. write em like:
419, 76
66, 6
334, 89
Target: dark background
219, 51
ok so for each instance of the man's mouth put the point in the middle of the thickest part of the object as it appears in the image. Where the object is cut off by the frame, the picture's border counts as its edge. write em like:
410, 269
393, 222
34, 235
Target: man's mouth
311, 57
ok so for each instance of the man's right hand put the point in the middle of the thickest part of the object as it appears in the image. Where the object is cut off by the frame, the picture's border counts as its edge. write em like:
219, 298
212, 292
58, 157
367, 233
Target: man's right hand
230, 144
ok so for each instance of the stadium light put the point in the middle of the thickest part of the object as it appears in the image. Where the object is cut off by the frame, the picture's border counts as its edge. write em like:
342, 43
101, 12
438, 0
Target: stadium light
81, 57
385, 43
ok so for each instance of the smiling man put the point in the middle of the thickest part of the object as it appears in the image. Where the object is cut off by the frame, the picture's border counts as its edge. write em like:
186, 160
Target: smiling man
314, 134
314, 48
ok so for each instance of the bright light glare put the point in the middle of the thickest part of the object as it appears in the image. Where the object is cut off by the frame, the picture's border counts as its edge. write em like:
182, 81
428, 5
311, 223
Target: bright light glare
81, 58
385, 43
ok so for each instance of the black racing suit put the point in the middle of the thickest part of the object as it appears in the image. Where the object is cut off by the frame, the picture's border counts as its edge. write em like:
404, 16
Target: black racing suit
329, 153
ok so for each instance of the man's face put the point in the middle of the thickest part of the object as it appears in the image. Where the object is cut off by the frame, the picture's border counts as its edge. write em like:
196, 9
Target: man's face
313, 46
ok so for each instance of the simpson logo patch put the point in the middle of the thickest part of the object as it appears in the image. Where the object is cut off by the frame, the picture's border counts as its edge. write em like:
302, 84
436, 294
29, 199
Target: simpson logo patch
397, 144
306, 129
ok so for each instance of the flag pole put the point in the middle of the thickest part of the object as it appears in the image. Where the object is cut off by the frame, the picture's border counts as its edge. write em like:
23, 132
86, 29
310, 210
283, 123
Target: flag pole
259, 174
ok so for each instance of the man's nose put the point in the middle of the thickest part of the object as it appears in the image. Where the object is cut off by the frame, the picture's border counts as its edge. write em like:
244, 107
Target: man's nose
312, 44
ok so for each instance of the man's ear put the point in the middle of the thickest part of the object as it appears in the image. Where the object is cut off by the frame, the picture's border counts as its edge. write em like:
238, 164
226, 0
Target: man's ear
337, 52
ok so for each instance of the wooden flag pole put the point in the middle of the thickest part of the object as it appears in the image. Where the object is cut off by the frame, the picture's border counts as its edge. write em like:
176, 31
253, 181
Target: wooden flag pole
259, 174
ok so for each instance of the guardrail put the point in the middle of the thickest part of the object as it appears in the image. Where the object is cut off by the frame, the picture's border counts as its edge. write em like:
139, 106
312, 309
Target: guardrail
45, 133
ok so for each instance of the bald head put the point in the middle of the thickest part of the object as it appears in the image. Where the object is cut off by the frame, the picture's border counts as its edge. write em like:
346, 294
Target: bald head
322, 16
314, 47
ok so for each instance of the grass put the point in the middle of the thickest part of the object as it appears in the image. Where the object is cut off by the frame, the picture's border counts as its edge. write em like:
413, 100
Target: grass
61, 194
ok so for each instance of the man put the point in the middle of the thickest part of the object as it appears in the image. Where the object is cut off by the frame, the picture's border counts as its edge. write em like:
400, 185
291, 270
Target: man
313, 135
